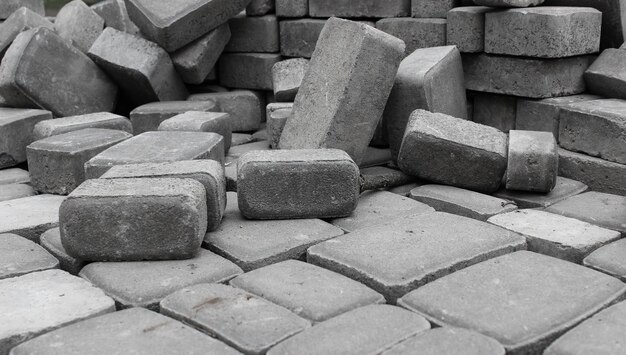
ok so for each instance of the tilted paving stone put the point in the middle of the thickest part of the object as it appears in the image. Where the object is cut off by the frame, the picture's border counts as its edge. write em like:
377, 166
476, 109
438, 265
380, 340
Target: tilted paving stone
16, 191
449, 341
416, 32
366, 330
276, 120
136, 331
509, 3
609, 259
148, 117
20, 256
307, 290
79, 24
533, 163
255, 244
133, 63
39, 302
605, 76
432, 8
602, 209
260, 7
21, 20
564, 188
105, 120
14, 176
57, 164
258, 34
292, 8
158, 147
287, 77
601, 175
247, 70
16, 127
367, 8
198, 121
146, 283
524, 300
494, 110
41, 69
466, 28
246, 322
115, 15
405, 253
30, 216
51, 241
10, 6
245, 107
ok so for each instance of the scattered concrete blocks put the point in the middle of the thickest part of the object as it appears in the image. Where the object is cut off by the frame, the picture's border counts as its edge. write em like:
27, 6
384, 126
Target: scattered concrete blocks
198, 121
104, 120
466, 28
367, 8
564, 188
19, 256
148, 117
21, 20
602, 209
416, 32
533, 162
247, 70
287, 77
601, 175
51, 241
609, 259
30, 216
497, 111
244, 107
450, 341
606, 75
8, 7
79, 24
257, 34
292, 8
432, 8
16, 127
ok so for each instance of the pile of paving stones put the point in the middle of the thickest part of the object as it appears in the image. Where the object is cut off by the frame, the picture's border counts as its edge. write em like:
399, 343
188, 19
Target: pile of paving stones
313, 176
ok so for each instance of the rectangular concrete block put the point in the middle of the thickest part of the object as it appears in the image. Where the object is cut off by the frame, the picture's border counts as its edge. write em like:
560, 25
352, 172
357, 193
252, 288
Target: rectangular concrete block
247, 70
416, 32
606, 75
79, 24
253, 34
148, 117
197, 121
16, 133
245, 108
292, 8
52, 127
432, 8
115, 15
10, 6
21, 20
466, 28
29, 217
601, 175
298, 37
357, 9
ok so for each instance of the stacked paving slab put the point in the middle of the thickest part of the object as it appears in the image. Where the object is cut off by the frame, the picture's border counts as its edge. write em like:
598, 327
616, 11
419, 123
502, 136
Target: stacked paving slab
313, 176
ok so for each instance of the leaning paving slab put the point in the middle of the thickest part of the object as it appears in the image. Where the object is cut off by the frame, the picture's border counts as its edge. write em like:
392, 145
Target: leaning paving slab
19, 256
30, 216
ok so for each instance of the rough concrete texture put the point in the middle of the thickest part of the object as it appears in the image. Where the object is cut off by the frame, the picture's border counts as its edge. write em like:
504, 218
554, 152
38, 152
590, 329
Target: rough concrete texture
381, 177
287, 77
416, 32
527, 77
174, 24
14, 176
146, 283
367, 330
366, 8
438, 147
449, 341
544, 32
292, 8
245, 108
246, 322
57, 76
136, 331
79, 24
142, 69
276, 120
10, 6
324, 183
16, 127
606, 75
198, 121
533, 163
298, 37
20, 256
602, 209
430, 79
344, 89
307, 290
432, 8
509, 3
564, 188
425, 248
466, 28
15, 191
57, 163
260, 7
39, 302
106, 120
51, 241
134, 219
21, 20
505, 299
497, 111
247, 70
158, 147
148, 117
257, 34
601, 175
609, 259
30, 216
115, 15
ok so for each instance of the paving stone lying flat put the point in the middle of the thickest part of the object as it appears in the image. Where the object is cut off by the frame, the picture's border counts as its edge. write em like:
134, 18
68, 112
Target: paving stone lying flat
19, 256
16, 126
258, 34
30, 216
466, 28
8, 7
14, 176
158, 147
509, 3
39, 302
609, 259
494, 110
244, 107
79, 24
533, 163
21, 20
246, 322
16, 191
57, 76
367, 330
517, 299
601, 175
148, 117
287, 77
106, 120
307, 290
416, 32
605, 76
368, 8
198, 121
51, 241
146, 283
602, 209
449, 341
565, 188
135, 331
247, 70
424, 247
292, 8
115, 15
133, 63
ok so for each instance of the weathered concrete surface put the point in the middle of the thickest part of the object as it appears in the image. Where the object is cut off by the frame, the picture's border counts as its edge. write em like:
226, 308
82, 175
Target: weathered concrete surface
432, 8
287, 77
9, 6
198, 121
115, 15
292, 8
106, 120
30, 216
298, 37
367, 8
79, 24
466, 28
563, 189
16, 133
509, 3
602, 209
21, 20
20, 256
15, 191
609, 259
533, 163
14, 176
247, 70
51, 241
383, 177
416, 32
258, 34
148, 117
601, 175
245, 107
449, 341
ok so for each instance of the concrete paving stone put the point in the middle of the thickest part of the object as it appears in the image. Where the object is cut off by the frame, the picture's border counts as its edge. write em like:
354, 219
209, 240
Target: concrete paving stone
276, 116
174, 24
509, 3
134, 219
292, 8
602, 334
416, 32
533, 163
39, 302
207, 172
601, 209
466, 28
563, 189
378, 207
605, 76
240, 139
133, 63
158, 147
14, 176
16, 127
57, 76
366, 8
148, 117
366, 330
51, 241
255, 244
198, 121
544, 32
527, 77
195, 61
57, 163
337, 69
432, 8
79, 24
135, 331
461, 202
543, 115
106, 120
381, 177
396, 257
247, 70
298, 37
429, 79
287, 77
449, 341
115, 15
601, 175
29, 217
21, 20
609, 259
260, 7
324, 183
258, 34
245, 108
14, 191
8, 7
146, 283
436, 147
20, 256
596, 128
248, 323
497, 111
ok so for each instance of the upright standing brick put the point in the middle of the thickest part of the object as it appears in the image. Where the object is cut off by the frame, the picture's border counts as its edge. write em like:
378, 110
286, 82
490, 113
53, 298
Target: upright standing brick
432, 8
79, 24
115, 15
245, 107
292, 8
52, 127
344, 89
148, 117
416, 32
533, 163
365, 8
198, 121
247, 70
9, 6
287, 77
21, 20
606, 75
466, 28
16, 133
253, 34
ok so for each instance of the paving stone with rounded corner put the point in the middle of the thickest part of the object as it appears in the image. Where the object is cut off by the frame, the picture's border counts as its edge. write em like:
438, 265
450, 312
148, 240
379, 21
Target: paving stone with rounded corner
287, 77
134, 331
565, 188
605, 76
601, 175
246, 322
115, 15
148, 117
533, 161
39, 302
16, 127
601, 209
29, 217
609, 259
292, 8
105, 120
21, 20
509, 3
20, 256
366, 8
199, 121
449, 341
8, 7
51, 241
247, 70
15, 191
14, 176
416, 32
253, 34
494, 110
245, 108
146, 283
517, 299
79, 24
466, 28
